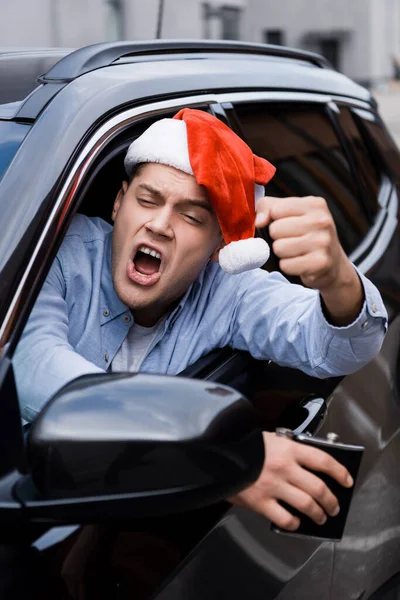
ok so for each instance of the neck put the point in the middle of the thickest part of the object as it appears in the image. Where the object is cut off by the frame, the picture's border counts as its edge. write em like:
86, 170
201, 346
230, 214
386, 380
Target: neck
149, 316
145, 320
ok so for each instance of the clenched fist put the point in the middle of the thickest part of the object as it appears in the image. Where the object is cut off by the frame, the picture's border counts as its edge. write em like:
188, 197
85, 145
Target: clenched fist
306, 242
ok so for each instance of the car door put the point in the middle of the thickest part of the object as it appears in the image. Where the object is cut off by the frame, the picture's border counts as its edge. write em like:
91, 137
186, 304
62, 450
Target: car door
366, 405
324, 148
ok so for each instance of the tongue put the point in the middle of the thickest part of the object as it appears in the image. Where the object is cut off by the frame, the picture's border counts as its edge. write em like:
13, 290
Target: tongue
146, 264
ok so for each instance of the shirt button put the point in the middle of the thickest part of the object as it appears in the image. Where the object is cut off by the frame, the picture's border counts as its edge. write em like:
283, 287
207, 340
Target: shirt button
127, 318
374, 308
364, 324
106, 312
106, 357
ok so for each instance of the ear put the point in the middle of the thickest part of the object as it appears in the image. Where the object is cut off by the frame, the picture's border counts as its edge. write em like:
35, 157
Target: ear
214, 255
118, 200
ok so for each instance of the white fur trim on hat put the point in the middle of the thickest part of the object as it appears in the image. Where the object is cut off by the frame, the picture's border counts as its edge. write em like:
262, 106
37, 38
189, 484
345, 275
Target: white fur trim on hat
164, 142
243, 255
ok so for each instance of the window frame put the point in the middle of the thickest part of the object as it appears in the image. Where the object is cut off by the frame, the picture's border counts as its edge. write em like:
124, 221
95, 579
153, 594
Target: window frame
374, 243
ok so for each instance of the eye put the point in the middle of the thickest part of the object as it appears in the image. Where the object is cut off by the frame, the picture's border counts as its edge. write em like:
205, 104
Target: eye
145, 202
192, 219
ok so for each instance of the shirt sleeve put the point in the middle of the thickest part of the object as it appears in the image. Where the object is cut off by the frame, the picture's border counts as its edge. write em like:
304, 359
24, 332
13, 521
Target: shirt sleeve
274, 319
44, 360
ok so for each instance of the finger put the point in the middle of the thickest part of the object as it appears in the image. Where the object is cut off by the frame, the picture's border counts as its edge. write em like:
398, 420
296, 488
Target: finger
303, 502
304, 244
280, 516
317, 460
280, 208
315, 487
291, 227
313, 263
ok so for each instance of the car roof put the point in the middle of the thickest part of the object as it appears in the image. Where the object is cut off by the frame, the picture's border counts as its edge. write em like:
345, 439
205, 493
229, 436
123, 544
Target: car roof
20, 69
25, 69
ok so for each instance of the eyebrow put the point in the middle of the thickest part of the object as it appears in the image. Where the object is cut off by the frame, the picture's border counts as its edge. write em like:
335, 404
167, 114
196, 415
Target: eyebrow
191, 202
148, 188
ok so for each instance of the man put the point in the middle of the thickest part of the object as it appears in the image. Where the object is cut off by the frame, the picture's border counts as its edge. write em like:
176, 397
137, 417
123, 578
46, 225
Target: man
149, 293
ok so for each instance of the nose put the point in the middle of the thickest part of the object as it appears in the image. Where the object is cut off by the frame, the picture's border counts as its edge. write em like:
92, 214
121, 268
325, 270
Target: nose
160, 223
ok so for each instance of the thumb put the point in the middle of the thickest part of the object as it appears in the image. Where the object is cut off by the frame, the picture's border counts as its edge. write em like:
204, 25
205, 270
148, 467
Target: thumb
262, 217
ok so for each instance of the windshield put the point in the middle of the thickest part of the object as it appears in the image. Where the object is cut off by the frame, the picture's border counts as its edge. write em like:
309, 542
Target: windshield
11, 137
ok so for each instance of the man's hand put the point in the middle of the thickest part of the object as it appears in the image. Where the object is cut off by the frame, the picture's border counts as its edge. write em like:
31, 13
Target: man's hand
306, 242
284, 476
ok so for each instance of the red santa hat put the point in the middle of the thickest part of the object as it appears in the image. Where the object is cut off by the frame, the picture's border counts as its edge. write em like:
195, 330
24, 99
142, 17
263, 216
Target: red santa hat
199, 144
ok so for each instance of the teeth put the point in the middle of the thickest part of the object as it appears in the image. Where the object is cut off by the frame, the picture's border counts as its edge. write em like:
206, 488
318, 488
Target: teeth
147, 250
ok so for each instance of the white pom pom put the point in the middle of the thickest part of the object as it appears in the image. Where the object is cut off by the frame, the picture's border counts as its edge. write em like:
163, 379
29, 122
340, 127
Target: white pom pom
243, 255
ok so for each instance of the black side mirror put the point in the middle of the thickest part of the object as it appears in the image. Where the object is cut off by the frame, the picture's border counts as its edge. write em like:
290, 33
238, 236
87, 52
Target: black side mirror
118, 445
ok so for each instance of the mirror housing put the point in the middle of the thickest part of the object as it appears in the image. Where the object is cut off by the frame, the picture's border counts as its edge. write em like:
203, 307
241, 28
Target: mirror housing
166, 444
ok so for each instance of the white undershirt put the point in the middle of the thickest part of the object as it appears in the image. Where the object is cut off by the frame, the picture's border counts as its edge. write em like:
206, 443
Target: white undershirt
134, 348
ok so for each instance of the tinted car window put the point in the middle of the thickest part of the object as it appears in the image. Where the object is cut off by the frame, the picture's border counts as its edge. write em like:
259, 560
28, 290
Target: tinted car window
301, 142
11, 137
382, 143
366, 165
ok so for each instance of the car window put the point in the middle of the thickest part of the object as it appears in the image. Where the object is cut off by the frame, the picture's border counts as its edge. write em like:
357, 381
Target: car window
11, 137
366, 165
301, 142
381, 144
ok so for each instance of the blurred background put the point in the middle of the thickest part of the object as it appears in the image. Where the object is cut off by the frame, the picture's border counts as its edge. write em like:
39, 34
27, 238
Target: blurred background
361, 38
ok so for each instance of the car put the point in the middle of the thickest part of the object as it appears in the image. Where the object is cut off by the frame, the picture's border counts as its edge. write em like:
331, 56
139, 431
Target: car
71, 491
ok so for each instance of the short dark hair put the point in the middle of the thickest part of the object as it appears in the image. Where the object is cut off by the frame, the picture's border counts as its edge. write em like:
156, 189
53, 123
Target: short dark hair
135, 172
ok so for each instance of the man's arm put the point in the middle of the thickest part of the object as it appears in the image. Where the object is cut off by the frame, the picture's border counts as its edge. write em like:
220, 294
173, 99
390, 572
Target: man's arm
335, 332
287, 323
44, 360
331, 330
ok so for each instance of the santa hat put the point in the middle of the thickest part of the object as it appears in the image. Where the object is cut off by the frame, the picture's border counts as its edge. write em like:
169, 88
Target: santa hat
199, 144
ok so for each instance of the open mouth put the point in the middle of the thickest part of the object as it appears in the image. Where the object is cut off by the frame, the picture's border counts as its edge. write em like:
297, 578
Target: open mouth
145, 266
147, 261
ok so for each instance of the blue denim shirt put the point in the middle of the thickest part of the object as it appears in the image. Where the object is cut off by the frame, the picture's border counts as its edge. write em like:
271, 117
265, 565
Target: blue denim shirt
78, 322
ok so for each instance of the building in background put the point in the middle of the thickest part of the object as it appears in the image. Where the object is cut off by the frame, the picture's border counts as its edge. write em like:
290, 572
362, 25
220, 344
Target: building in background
361, 38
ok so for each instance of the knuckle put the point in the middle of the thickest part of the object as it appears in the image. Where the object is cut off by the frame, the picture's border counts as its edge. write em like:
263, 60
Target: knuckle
322, 262
325, 240
306, 505
320, 490
316, 201
325, 463
320, 202
324, 221
277, 465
